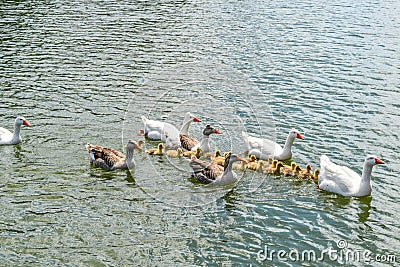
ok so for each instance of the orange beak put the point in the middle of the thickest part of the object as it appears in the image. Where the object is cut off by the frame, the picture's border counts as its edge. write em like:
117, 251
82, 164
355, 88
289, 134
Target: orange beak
216, 131
241, 159
378, 161
26, 123
300, 136
196, 119
141, 132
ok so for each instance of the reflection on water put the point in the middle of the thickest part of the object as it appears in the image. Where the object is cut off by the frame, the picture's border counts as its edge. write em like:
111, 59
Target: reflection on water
86, 71
365, 207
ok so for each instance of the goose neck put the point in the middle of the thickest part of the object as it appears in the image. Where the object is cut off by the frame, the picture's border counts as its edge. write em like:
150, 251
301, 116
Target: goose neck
366, 173
185, 127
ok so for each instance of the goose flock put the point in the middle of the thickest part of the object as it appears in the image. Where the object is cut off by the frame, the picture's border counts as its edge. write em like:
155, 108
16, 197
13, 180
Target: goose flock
214, 168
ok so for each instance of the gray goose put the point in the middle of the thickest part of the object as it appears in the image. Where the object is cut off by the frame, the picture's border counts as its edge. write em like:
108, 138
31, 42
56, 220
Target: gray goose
210, 173
191, 143
110, 159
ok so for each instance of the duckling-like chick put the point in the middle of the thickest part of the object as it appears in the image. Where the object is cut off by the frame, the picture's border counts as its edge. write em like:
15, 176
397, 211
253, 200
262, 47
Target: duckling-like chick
288, 170
156, 151
272, 167
175, 153
316, 174
197, 153
252, 163
218, 158
306, 174
297, 171
277, 169
239, 166
140, 143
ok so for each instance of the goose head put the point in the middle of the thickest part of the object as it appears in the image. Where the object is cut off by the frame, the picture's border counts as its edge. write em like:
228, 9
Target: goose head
210, 130
372, 160
295, 134
132, 145
230, 158
190, 117
21, 121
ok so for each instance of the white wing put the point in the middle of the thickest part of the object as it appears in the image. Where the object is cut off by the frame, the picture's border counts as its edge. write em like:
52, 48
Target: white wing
264, 146
338, 179
5, 135
158, 129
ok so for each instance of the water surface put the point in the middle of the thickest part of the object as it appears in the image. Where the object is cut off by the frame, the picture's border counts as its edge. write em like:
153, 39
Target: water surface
86, 71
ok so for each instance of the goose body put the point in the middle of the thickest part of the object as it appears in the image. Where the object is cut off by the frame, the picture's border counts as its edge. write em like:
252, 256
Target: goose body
265, 148
212, 174
159, 130
191, 143
111, 159
9, 138
344, 181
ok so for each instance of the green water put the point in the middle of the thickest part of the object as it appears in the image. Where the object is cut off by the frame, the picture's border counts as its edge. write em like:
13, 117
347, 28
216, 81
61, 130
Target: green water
85, 71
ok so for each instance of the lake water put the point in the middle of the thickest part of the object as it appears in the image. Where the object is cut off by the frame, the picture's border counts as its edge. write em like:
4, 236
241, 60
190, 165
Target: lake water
85, 71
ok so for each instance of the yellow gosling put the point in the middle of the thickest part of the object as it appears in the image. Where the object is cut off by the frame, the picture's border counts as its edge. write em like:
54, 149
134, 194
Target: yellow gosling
288, 170
306, 174
197, 153
296, 172
174, 153
218, 159
252, 163
156, 151
277, 170
272, 167
316, 174
239, 166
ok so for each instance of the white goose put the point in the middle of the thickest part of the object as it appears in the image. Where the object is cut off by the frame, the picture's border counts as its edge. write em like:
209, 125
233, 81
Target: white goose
159, 130
110, 159
8, 138
212, 174
265, 148
344, 181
